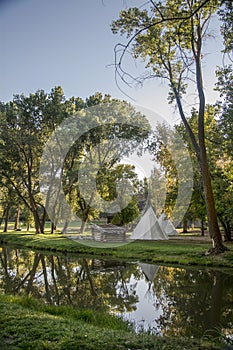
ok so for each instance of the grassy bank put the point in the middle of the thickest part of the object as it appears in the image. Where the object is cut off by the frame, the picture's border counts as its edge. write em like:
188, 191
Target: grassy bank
28, 324
181, 252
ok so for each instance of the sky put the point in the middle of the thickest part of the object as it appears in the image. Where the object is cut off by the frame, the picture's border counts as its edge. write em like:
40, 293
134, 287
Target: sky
68, 43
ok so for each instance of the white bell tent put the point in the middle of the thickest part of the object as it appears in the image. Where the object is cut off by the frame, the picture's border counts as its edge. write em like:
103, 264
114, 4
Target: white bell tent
167, 226
148, 227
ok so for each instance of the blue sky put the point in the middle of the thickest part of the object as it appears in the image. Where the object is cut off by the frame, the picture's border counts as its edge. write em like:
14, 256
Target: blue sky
46, 43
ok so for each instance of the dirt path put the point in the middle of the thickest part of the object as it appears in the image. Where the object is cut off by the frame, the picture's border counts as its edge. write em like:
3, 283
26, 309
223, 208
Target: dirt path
193, 235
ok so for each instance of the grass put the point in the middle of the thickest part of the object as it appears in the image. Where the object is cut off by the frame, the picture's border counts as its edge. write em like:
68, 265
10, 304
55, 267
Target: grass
180, 252
28, 324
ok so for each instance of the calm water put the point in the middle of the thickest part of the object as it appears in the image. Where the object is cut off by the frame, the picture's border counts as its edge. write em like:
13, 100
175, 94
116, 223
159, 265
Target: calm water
166, 300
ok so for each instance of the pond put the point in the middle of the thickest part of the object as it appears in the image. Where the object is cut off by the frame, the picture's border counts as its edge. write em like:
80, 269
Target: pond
165, 300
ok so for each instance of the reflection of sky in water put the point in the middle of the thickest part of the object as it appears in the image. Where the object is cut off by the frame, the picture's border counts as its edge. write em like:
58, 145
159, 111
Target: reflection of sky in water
164, 300
144, 317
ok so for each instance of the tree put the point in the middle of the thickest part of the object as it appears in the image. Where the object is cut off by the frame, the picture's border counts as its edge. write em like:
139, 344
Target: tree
121, 174
26, 123
220, 167
171, 182
226, 16
225, 124
224, 86
17, 169
164, 180
92, 170
225, 127
169, 37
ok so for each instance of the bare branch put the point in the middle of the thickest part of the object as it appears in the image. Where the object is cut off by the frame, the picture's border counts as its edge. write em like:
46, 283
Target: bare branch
119, 71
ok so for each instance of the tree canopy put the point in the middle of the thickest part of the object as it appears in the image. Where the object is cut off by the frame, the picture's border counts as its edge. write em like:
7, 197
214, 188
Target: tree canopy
169, 37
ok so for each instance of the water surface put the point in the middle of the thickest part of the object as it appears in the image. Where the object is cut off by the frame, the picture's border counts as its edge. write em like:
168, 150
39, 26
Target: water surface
165, 300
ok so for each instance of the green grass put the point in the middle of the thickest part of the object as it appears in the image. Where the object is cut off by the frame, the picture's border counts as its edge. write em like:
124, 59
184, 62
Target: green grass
179, 252
93, 317
27, 324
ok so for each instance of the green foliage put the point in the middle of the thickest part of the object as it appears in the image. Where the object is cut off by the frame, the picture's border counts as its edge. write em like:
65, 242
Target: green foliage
169, 37
26, 124
119, 130
226, 16
225, 87
164, 180
128, 214
166, 38
220, 160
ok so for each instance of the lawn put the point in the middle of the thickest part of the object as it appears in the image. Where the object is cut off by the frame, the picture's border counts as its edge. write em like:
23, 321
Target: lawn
183, 251
28, 324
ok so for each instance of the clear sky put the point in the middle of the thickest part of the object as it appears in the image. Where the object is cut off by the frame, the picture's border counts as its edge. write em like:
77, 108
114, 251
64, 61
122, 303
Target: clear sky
46, 43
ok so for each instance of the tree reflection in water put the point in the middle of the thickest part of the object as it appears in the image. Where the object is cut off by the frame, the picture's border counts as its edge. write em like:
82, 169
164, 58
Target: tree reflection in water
193, 301
63, 280
181, 302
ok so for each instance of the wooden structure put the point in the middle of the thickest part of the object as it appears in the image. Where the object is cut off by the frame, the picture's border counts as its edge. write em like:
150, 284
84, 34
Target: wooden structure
108, 233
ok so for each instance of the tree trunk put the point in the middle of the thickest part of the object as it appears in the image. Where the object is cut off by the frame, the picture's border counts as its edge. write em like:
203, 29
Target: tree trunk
7, 212
83, 226
43, 219
38, 225
85, 219
214, 230
227, 229
36, 221
65, 226
2, 218
33, 206
16, 227
53, 228
185, 225
202, 228
228, 232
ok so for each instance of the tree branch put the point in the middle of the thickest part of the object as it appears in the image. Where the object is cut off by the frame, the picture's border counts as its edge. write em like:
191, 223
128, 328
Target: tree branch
118, 64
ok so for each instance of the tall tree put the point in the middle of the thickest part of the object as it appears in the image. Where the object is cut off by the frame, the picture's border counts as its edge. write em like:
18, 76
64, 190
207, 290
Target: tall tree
169, 37
26, 123
225, 124
94, 156
220, 161
226, 16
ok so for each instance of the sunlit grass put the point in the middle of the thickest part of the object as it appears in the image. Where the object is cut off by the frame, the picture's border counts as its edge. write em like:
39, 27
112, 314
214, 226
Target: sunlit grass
179, 252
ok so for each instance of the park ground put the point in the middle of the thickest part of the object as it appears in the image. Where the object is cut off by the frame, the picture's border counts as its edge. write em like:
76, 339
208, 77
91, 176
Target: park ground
188, 250
28, 324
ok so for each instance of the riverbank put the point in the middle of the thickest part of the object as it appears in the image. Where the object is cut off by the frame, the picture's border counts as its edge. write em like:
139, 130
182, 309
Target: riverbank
29, 324
185, 251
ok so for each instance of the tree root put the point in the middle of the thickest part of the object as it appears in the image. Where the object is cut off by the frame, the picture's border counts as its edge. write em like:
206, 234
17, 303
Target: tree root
217, 250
